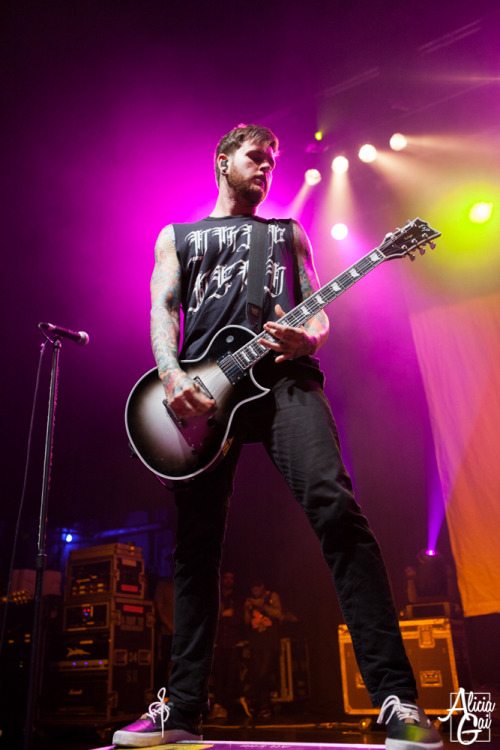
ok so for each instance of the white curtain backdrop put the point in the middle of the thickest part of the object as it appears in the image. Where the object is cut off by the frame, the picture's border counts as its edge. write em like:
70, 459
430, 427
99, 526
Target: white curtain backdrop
458, 348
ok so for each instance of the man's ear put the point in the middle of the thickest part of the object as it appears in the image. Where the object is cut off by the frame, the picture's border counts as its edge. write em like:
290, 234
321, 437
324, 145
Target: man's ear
223, 162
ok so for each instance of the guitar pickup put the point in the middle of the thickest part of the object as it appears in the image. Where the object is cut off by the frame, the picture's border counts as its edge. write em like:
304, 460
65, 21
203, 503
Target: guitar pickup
231, 369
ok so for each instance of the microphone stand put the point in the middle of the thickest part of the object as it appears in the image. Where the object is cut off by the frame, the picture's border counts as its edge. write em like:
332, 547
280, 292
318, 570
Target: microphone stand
36, 640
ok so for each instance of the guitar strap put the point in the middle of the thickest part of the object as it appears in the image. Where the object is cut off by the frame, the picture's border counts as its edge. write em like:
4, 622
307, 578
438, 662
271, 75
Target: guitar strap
256, 274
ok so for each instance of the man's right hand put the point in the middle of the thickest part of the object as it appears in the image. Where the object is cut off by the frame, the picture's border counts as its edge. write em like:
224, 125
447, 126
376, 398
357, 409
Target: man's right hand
185, 398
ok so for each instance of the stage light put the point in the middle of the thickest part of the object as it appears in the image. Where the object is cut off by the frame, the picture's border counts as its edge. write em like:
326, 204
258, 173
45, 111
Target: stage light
431, 575
339, 231
431, 588
340, 165
318, 136
398, 142
68, 537
481, 212
367, 153
312, 177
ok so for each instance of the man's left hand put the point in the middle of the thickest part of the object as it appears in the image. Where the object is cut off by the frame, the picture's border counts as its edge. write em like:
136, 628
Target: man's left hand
288, 342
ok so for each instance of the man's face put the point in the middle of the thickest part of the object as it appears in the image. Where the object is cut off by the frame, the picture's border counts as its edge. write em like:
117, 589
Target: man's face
250, 172
258, 590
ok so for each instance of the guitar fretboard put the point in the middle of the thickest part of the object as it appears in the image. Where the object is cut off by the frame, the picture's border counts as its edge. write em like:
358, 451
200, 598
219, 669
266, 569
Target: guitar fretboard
252, 352
415, 234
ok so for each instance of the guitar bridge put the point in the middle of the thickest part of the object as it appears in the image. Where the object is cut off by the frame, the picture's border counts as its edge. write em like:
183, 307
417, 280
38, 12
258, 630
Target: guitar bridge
201, 385
178, 420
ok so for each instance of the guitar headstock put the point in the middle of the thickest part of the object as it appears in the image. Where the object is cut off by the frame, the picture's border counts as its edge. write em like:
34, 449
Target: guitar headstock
414, 235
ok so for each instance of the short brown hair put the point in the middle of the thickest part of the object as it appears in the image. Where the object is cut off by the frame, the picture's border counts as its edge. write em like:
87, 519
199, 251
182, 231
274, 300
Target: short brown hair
233, 140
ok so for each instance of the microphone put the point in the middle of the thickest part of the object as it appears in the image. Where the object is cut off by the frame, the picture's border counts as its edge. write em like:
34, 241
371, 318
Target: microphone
80, 337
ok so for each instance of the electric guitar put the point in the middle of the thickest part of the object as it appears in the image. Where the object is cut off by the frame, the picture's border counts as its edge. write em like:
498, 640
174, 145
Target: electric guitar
179, 449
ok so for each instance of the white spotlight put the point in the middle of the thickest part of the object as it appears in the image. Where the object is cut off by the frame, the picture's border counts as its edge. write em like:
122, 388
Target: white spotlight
367, 153
481, 212
312, 177
340, 165
398, 142
339, 231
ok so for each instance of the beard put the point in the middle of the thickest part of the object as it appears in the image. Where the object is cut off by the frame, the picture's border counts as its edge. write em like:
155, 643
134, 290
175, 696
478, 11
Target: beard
251, 193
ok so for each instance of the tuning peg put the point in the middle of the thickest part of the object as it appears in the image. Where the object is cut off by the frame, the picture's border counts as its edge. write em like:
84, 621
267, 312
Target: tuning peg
432, 245
411, 256
422, 250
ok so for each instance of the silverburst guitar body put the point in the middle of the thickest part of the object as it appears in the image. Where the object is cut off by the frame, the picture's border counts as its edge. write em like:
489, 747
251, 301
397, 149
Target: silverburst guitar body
180, 449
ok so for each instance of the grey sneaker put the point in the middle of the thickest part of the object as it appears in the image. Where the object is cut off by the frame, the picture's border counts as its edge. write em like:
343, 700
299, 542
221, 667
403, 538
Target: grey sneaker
408, 728
162, 724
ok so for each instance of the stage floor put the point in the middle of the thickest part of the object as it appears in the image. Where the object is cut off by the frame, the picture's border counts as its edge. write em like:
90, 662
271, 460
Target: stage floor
301, 737
242, 745
348, 735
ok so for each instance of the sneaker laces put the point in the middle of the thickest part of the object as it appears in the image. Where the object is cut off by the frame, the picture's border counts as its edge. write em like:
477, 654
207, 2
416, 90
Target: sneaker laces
159, 707
403, 711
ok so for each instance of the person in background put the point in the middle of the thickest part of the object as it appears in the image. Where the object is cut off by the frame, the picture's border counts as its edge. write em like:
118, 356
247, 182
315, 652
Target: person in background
263, 613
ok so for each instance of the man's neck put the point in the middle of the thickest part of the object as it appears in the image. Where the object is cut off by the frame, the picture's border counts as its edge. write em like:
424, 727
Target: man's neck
229, 206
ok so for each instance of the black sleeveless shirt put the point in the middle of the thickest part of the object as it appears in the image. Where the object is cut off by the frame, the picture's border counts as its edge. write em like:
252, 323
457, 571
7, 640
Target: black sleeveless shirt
213, 254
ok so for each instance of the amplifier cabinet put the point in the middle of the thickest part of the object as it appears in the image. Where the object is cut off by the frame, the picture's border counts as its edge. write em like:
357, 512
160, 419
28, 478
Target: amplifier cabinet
437, 652
102, 673
96, 613
107, 570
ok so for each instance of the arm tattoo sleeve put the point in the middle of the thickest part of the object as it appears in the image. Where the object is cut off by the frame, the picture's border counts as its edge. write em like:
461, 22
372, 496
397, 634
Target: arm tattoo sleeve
318, 325
165, 312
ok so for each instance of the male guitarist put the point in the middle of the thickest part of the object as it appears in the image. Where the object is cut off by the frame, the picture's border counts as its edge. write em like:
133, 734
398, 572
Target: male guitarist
202, 267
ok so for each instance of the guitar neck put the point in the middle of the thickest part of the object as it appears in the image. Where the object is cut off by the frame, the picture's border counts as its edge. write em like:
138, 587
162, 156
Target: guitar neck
340, 284
252, 352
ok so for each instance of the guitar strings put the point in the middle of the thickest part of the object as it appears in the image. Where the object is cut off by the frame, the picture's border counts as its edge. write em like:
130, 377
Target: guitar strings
253, 351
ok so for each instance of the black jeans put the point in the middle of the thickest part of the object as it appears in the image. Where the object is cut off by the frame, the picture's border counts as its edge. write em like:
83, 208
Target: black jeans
296, 426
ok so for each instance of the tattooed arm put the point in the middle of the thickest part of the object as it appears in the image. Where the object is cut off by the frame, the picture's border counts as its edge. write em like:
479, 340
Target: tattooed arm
306, 339
183, 395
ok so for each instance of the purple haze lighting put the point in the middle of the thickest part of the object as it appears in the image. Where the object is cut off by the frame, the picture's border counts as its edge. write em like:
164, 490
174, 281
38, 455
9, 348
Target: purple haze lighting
436, 509
430, 552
